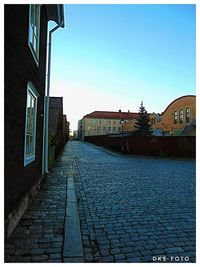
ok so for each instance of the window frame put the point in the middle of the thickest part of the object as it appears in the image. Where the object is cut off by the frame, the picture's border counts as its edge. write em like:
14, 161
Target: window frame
175, 117
28, 158
181, 116
186, 115
34, 52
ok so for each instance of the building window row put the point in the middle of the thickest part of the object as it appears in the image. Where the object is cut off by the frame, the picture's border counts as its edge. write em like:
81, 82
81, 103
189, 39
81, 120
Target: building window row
103, 121
99, 128
181, 115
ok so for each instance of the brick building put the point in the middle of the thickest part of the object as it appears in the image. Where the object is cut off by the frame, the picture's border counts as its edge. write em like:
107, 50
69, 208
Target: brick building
179, 117
26, 28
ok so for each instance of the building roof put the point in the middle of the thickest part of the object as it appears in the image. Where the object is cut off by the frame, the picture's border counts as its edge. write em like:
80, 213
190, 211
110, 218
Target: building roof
177, 99
56, 13
112, 115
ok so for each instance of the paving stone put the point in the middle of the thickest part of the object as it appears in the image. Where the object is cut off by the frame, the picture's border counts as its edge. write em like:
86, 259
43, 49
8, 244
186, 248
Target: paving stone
126, 249
39, 258
108, 259
133, 255
53, 250
119, 256
55, 256
37, 251
134, 260
115, 251
158, 251
188, 248
174, 250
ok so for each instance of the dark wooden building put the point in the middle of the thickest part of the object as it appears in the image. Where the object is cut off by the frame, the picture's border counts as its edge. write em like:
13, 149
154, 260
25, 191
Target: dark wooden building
66, 129
56, 127
26, 29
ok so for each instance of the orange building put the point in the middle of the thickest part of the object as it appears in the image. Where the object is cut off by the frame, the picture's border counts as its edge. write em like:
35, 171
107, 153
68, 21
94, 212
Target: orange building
129, 126
179, 118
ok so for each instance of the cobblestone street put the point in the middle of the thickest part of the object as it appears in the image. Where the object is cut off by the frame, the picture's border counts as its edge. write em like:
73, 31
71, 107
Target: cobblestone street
131, 209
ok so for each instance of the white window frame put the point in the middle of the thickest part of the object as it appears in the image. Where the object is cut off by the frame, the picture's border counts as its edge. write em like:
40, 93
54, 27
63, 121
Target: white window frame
187, 112
181, 116
30, 91
34, 35
175, 117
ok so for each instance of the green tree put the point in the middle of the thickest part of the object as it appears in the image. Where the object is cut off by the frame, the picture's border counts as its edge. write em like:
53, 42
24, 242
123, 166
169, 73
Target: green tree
142, 124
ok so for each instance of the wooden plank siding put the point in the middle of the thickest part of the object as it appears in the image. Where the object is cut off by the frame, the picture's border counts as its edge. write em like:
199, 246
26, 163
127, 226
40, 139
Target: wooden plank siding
20, 68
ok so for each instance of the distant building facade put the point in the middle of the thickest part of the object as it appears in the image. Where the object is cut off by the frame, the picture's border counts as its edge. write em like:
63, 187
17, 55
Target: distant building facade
179, 118
104, 123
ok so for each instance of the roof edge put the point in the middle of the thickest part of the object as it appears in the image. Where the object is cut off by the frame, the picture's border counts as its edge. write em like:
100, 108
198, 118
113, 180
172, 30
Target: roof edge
176, 100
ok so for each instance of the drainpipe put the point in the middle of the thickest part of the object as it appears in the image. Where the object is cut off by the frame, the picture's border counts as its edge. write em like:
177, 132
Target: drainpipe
46, 117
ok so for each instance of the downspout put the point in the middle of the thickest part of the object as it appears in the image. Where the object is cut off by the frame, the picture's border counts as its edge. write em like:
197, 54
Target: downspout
46, 117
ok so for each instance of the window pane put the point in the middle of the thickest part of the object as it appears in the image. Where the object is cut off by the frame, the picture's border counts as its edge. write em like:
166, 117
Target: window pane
34, 29
31, 144
27, 144
30, 123
32, 15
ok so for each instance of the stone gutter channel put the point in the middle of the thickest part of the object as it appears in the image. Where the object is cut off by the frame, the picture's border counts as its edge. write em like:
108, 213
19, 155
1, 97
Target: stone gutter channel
72, 248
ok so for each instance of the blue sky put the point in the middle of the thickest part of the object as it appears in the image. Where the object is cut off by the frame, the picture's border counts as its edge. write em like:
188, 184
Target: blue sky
110, 57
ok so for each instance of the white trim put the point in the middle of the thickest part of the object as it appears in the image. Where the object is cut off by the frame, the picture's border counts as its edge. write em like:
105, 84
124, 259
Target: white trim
30, 158
34, 53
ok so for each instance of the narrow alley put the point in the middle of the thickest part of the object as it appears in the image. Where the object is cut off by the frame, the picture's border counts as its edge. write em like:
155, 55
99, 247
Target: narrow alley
131, 209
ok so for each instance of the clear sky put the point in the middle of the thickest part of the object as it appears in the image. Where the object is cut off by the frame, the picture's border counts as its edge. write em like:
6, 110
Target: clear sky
110, 57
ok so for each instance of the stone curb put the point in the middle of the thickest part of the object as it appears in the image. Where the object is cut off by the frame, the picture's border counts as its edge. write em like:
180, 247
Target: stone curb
72, 249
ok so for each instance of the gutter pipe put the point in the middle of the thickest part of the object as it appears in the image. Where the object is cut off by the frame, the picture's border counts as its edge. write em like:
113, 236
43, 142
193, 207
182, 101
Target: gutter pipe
46, 118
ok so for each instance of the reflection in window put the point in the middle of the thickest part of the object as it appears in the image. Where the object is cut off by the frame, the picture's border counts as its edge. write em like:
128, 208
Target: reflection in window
187, 114
34, 30
181, 116
175, 117
30, 127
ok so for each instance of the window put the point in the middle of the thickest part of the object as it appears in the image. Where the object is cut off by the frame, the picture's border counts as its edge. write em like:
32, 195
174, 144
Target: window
175, 117
34, 31
30, 126
187, 114
181, 116
153, 121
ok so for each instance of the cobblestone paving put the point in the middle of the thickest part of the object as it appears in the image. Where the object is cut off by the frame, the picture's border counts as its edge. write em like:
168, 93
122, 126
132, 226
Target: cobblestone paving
135, 209
39, 235
132, 209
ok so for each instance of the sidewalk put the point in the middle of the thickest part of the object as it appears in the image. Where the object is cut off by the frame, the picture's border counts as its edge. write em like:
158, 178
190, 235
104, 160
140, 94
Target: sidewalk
43, 233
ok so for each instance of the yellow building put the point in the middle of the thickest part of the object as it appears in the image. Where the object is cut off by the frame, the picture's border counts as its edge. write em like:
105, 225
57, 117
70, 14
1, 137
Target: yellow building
104, 122
179, 118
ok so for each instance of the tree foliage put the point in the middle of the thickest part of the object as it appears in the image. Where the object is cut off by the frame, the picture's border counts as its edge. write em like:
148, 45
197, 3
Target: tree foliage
142, 124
